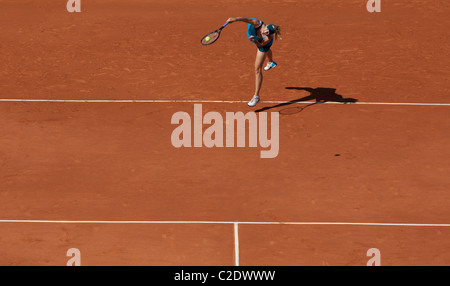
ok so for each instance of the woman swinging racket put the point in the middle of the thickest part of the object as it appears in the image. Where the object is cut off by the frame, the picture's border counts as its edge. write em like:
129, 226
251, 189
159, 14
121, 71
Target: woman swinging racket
262, 36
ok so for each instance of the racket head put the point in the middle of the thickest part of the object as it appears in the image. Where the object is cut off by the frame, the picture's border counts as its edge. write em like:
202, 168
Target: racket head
212, 38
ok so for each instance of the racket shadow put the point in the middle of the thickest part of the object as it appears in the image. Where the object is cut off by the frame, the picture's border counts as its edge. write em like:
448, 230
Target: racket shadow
319, 95
295, 109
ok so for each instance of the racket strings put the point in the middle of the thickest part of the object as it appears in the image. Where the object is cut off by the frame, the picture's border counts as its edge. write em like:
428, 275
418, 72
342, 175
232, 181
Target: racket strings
210, 38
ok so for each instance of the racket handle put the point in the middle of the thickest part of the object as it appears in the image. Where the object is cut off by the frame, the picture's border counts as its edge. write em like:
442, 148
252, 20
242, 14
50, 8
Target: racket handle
224, 25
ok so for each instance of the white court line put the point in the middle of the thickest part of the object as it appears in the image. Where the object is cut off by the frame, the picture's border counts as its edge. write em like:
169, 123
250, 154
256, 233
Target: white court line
225, 222
236, 245
213, 101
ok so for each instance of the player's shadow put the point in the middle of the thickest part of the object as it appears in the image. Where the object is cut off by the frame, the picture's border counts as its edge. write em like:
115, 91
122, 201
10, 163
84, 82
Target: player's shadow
319, 95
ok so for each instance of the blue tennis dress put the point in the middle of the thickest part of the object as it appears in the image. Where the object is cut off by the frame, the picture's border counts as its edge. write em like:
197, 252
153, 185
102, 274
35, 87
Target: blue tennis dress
251, 31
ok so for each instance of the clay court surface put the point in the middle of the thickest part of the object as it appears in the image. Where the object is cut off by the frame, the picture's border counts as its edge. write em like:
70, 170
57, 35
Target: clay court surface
104, 177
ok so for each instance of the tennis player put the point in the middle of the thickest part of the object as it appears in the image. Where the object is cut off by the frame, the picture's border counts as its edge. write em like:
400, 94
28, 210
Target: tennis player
262, 36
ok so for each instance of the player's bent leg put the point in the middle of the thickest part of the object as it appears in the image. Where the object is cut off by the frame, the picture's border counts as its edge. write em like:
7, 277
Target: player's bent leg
270, 56
270, 65
270, 62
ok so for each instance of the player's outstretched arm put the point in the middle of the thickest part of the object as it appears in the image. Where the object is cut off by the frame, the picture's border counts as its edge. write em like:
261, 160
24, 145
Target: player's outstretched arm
243, 19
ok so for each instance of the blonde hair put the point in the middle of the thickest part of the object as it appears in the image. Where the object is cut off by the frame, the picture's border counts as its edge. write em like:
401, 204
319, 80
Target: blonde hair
277, 32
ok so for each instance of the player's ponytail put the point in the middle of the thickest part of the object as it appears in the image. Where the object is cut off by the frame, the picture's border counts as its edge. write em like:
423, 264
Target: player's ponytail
277, 32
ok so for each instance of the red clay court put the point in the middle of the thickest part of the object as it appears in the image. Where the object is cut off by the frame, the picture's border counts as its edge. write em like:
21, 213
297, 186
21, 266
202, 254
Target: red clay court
86, 159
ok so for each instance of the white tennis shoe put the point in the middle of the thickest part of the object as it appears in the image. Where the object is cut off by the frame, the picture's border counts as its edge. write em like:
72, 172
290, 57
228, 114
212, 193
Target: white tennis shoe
254, 101
270, 65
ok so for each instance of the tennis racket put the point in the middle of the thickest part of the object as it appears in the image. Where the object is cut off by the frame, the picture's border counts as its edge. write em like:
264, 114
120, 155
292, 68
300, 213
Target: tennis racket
213, 36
